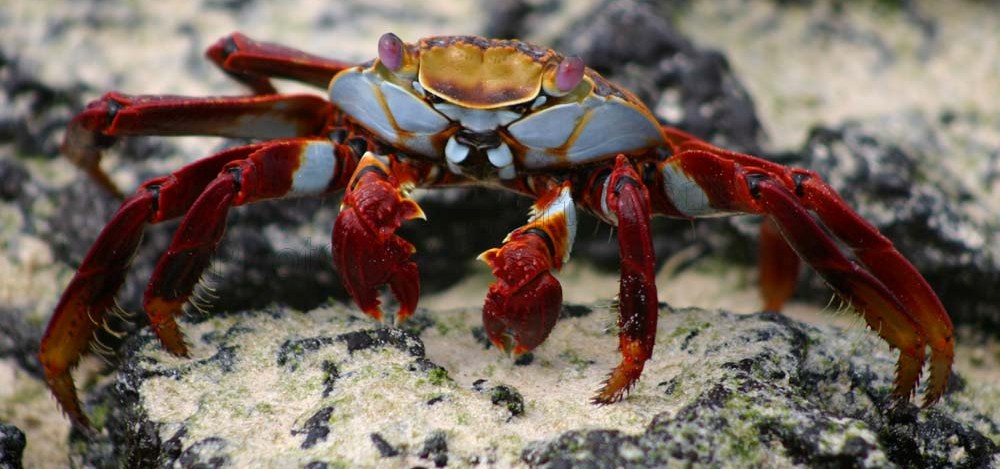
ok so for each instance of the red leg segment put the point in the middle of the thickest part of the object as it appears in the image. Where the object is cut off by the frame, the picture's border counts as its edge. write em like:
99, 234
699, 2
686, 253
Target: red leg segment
282, 168
625, 202
252, 63
90, 294
523, 305
878, 254
116, 115
893, 297
778, 266
366, 251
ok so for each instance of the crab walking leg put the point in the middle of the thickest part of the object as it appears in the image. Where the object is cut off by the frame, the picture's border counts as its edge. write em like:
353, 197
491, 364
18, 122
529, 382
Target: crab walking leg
890, 294
778, 266
878, 254
116, 115
366, 251
253, 63
523, 305
625, 202
290, 168
91, 293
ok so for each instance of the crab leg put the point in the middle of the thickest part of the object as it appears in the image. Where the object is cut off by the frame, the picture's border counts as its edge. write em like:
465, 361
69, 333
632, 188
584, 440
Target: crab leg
91, 292
116, 115
624, 201
893, 297
878, 254
252, 63
778, 266
288, 168
523, 305
366, 251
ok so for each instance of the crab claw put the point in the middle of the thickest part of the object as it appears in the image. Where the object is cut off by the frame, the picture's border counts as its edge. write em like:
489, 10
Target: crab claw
366, 251
523, 305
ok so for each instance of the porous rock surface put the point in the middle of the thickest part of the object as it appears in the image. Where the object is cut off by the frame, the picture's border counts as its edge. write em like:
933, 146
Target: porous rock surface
11, 446
327, 389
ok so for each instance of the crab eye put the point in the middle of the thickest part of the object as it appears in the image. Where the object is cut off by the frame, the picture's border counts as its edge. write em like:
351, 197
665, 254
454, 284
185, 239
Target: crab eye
390, 51
562, 78
569, 73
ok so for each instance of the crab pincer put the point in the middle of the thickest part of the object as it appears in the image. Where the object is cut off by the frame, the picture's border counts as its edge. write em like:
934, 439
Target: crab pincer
366, 251
523, 305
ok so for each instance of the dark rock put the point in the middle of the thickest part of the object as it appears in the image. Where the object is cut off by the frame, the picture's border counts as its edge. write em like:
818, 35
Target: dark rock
20, 340
34, 112
292, 352
479, 333
173, 446
503, 395
574, 311
435, 400
435, 449
661, 61
462, 223
525, 359
12, 444
373, 338
209, 453
383, 447
316, 428
507, 18
331, 375
13, 177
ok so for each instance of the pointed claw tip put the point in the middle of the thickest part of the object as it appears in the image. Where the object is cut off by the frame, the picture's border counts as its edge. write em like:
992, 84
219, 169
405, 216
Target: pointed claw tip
401, 318
518, 351
413, 210
488, 256
504, 343
375, 312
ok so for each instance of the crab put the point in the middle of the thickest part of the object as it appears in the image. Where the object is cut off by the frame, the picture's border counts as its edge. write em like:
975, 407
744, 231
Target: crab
462, 110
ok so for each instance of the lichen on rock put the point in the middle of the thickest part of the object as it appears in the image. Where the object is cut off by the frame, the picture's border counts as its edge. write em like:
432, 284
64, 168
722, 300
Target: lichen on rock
284, 388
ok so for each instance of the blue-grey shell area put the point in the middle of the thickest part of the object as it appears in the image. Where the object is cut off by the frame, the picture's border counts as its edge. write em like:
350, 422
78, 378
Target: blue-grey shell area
613, 121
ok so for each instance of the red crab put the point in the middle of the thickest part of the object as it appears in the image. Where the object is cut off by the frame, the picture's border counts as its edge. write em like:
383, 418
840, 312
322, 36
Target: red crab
461, 110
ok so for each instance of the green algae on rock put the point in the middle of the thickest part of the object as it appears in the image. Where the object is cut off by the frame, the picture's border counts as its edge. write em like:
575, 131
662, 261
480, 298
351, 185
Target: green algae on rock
279, 388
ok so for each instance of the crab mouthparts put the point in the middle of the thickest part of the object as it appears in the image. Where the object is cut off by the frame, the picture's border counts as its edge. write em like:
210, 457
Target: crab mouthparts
482, 147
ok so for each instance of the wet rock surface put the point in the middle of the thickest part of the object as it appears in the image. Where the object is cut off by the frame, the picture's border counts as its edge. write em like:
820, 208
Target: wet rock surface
11, 446
722, 389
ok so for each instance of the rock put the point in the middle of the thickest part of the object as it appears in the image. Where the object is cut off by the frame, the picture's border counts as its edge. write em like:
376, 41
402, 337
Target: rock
638, 46
278, 387
12, 444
